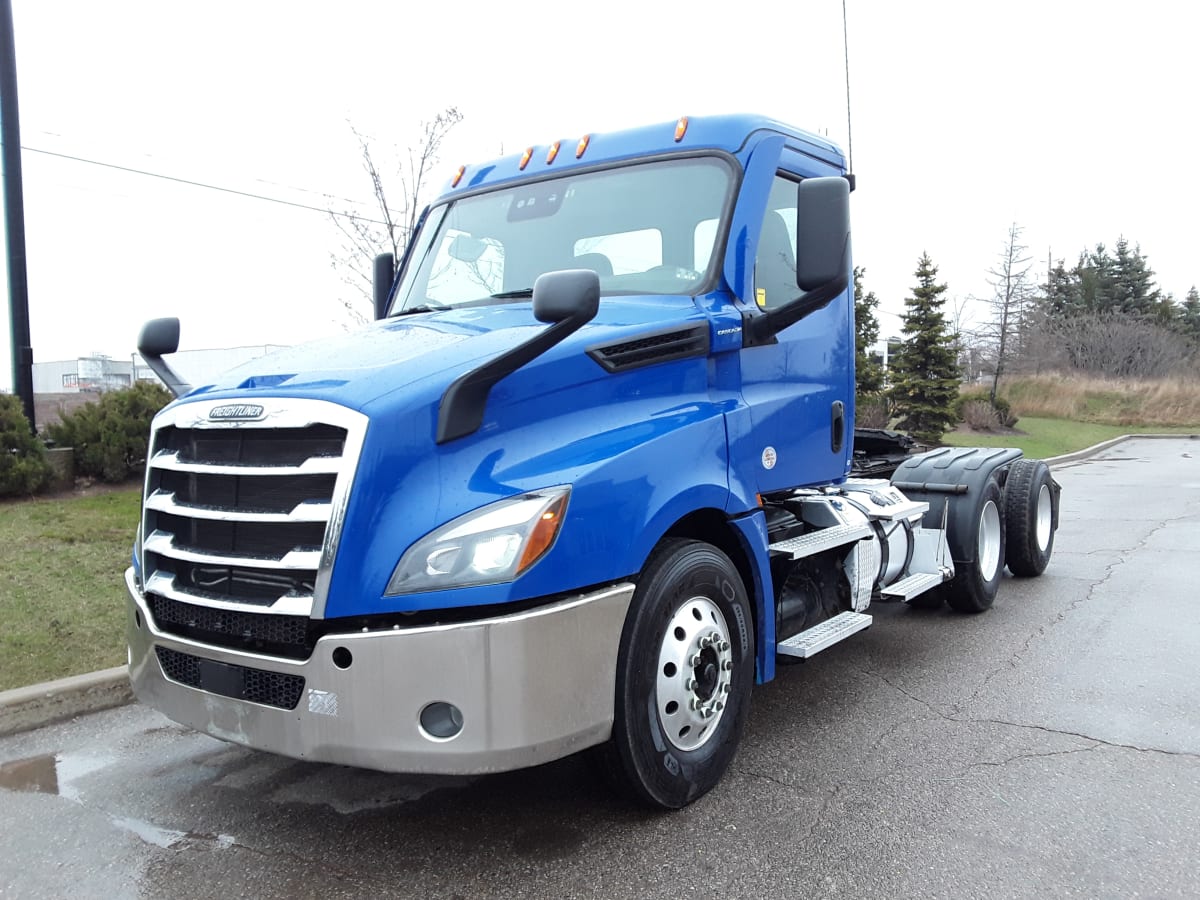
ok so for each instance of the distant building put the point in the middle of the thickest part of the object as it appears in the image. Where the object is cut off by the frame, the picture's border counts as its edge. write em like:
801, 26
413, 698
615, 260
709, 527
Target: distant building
98, 373
62, 386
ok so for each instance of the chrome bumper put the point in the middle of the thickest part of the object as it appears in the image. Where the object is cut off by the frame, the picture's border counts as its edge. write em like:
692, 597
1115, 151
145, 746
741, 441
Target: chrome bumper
531, 687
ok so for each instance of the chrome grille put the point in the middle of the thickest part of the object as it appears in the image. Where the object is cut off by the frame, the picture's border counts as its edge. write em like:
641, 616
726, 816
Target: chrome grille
245, 517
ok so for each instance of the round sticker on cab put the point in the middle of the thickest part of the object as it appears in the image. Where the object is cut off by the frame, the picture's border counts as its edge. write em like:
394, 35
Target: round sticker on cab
769, 458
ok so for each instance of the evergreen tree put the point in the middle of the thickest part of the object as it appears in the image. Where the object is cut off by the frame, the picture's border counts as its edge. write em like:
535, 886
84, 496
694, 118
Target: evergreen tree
1189, 315
925, 373
1132, 290
868, 370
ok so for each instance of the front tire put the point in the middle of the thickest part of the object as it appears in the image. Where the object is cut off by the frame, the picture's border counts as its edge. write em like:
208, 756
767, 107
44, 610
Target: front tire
684, 675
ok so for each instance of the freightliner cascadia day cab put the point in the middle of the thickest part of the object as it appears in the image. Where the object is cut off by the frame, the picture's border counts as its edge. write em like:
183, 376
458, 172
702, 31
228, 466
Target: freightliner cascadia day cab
585, 481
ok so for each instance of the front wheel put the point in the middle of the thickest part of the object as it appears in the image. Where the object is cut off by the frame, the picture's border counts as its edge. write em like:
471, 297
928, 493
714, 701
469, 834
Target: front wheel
684, 675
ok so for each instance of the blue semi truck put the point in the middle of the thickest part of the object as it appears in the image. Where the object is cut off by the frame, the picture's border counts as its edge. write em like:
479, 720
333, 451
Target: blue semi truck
589, 476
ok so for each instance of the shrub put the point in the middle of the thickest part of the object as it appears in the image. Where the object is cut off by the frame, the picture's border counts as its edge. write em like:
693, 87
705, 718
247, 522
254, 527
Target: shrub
23, 466
871, 412
979, 415
1002, 411
110, 436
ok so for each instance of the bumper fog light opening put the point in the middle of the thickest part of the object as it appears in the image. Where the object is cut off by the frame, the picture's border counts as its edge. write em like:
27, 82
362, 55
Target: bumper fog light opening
441, 721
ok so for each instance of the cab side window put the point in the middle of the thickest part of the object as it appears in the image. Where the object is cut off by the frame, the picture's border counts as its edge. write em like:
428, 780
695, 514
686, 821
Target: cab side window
775, 264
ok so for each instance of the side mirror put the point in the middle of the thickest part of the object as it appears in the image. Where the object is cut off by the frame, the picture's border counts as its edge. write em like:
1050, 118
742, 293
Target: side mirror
566, 294
822, 230
384, 274
567, 300
158, 338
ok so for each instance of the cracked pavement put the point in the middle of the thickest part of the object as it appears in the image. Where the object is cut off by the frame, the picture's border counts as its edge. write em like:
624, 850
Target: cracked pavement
1049, 747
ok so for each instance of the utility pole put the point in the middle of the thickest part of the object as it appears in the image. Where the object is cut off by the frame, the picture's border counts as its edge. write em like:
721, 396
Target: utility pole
14, 216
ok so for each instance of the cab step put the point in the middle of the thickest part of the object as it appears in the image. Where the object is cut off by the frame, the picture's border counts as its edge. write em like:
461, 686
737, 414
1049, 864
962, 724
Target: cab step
907, 588
823, 539
814, 640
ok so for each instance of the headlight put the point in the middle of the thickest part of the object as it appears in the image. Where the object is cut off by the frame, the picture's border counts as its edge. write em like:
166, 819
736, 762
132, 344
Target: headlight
491, 545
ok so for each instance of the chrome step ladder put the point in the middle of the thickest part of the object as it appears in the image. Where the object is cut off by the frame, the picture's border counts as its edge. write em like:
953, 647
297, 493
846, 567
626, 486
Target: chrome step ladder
813, 640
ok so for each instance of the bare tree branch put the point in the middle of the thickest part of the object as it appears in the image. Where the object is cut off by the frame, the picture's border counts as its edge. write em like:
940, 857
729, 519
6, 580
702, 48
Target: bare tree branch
363, 239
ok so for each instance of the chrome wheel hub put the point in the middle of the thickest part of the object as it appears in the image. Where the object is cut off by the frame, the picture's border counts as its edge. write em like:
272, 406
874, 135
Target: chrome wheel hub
695, 672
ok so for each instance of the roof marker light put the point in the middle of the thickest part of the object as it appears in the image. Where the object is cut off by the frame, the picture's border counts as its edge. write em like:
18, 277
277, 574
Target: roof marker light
681, 128
553, 152
525, 157
458, 176
583, 145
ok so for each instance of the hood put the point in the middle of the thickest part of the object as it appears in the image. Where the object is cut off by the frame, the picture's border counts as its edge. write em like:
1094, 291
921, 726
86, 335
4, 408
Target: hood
429, 349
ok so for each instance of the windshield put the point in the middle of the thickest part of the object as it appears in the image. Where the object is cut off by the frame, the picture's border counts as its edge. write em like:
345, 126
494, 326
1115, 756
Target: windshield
649, 228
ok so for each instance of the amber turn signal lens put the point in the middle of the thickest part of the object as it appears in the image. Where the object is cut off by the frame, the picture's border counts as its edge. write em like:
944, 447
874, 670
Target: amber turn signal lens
681, 128
544, 533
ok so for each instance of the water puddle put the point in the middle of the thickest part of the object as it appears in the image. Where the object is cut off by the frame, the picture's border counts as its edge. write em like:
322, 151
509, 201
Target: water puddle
50, 773
60, 774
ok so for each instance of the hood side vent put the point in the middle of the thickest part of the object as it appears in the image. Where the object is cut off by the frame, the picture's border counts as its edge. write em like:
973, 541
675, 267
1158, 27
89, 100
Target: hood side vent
653, 348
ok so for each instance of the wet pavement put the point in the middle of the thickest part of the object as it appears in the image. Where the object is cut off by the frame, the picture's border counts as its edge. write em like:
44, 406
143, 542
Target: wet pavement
1049, 747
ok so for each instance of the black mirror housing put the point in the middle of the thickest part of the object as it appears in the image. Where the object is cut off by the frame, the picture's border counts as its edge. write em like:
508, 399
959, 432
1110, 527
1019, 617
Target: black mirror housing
822, 231
383, 275
159, 337
567, 294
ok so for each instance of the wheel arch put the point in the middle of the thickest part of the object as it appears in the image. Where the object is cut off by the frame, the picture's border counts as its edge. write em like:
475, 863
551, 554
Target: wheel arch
740, 540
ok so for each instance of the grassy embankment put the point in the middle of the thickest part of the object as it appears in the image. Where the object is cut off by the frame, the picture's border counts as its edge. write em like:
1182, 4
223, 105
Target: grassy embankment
62, 608
1060, 414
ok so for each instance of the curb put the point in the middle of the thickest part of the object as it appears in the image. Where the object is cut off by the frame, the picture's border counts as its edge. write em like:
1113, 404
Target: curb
1112, 442
27, 708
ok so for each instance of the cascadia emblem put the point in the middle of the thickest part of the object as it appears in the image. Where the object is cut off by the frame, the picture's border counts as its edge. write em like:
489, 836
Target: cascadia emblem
236, 411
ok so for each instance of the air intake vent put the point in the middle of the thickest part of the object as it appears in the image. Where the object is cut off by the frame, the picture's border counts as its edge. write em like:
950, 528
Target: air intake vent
650, 349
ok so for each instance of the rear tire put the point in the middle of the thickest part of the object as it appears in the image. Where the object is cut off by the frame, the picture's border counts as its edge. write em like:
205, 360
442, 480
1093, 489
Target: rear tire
1029, 517
975, 583
684, 674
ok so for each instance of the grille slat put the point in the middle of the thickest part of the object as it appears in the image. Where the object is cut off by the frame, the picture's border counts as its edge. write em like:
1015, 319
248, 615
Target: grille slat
240, 682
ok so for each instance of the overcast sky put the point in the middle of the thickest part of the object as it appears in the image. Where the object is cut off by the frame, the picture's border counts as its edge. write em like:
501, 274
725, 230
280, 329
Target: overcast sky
1076, 120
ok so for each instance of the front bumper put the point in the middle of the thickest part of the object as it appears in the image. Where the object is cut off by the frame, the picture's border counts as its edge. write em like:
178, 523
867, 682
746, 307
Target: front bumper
532, 687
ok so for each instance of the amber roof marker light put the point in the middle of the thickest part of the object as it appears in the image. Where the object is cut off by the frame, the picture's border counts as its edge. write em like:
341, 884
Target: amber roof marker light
458, 176
583, 145
553, 152
525, 158
681, 128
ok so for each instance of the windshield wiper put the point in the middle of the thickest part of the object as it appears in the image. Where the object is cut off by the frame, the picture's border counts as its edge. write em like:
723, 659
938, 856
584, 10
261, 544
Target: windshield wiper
512, 295
413, 310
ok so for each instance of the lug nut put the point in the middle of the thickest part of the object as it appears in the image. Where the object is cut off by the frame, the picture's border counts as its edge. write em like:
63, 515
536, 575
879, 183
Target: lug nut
723, 646
691, 684
705, 642
727, 665
695, 660
718, 706
725, 688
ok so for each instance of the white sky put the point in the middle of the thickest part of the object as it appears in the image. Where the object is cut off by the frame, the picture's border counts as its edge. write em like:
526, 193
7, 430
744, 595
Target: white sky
1077, 120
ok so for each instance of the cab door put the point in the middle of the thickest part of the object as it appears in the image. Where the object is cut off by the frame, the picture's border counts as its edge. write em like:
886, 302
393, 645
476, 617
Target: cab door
799, 387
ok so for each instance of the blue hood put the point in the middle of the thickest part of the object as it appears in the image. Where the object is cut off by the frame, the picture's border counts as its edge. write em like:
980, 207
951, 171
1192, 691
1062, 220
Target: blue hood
425, 352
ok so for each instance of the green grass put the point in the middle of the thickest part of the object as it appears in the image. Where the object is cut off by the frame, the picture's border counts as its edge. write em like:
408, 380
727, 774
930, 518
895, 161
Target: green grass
1044, 438
62, 592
